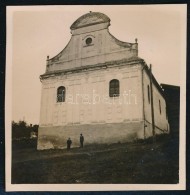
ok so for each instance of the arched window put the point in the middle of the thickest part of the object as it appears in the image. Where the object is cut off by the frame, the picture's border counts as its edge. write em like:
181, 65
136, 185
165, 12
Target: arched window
166, 114
114, 88
61, 94
148, 91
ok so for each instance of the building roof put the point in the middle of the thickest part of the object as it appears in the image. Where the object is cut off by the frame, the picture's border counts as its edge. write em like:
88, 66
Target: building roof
169, 87
88, 19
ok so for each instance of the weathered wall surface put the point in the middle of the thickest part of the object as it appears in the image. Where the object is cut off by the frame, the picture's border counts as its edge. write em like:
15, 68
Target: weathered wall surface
160, 117
87, 97
56, 137
98, 112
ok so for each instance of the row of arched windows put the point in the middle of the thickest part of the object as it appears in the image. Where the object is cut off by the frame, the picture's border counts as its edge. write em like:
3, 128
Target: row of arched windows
113, 90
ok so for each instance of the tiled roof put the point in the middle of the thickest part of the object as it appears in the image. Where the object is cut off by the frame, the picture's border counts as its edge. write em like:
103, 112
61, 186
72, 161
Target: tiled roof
88, 19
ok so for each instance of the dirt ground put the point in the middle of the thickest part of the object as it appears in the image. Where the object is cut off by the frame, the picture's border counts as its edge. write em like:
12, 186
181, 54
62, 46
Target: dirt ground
137, 163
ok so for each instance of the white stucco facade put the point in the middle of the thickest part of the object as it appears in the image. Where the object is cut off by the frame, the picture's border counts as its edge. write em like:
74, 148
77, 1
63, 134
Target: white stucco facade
85, 67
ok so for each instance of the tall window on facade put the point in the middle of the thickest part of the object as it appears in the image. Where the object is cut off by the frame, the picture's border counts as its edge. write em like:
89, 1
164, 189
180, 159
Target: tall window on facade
114, 88
61, 94
160, 107
148, 91
166, 114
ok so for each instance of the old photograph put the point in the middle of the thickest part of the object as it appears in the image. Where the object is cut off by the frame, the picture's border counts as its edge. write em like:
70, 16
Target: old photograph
95, 97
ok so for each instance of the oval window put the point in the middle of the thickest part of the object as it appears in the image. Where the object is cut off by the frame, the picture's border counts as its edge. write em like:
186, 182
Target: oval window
88, 41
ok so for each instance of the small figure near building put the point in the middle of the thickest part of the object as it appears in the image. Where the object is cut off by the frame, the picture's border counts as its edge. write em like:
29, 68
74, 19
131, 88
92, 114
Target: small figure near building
81, 140
69, 142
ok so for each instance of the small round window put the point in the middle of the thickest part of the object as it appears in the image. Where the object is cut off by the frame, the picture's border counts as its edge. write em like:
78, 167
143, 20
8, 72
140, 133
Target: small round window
88, 41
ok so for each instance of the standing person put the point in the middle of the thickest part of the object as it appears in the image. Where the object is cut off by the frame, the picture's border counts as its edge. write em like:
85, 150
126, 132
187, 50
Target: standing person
69, 142
81, 140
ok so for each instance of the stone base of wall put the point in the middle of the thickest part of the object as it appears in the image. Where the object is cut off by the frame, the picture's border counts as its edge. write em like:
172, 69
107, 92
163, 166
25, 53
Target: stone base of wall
56, 136
158, 131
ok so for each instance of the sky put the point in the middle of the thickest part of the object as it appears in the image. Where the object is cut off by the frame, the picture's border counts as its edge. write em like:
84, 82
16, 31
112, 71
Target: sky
38, 31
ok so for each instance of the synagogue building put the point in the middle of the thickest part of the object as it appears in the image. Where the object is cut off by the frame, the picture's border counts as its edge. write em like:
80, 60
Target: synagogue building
99, 86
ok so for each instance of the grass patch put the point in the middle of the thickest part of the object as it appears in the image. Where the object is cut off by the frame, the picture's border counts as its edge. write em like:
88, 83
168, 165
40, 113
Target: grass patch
140, 163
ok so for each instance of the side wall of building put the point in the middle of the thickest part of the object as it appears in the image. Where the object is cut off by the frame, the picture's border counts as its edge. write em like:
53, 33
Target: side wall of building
159, 104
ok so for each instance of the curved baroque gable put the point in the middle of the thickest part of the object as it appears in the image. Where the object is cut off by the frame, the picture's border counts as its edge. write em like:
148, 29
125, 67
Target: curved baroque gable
91, 44
91, 18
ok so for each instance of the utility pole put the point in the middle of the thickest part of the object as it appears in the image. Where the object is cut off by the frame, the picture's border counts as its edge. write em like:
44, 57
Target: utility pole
152, 105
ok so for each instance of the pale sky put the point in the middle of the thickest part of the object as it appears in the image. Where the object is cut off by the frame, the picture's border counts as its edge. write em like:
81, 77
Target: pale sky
39, 31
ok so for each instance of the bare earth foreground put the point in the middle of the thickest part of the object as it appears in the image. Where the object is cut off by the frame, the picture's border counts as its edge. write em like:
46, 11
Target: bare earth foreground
138, 163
